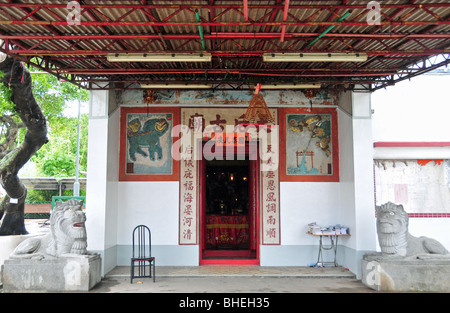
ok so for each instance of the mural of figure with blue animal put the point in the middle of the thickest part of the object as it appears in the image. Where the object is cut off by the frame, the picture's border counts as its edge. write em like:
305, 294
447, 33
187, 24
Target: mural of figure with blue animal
147, 136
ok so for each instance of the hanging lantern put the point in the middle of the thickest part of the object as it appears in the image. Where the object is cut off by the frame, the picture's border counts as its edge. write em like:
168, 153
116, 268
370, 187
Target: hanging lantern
150, 96
310, 93
258, 112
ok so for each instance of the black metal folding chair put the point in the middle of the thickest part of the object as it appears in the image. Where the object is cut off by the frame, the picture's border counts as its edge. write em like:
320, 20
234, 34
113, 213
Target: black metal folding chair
142, 254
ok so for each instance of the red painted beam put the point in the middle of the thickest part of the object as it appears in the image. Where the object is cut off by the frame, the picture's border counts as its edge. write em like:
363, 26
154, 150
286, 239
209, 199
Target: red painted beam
225, 35
246, 35
236, 81
202, 71
219, 70
245, 10
196, 24
229, 53
224, 6
285, 14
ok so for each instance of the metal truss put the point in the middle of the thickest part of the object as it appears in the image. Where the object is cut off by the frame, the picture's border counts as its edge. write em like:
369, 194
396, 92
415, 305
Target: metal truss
424, 66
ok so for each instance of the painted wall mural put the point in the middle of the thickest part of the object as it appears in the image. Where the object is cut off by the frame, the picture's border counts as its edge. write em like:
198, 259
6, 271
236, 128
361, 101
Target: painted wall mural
309, 147
230, 97
146, 144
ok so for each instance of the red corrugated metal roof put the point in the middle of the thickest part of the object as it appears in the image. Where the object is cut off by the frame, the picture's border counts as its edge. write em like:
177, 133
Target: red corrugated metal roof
407, 33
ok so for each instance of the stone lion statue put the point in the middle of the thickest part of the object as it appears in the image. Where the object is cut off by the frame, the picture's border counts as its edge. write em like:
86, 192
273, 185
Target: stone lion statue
67, 236
394, 238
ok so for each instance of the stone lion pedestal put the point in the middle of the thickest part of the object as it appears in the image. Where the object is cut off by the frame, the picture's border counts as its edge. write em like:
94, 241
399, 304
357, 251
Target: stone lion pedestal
405, 275
57, 274
405, 263
7, 246
56, 261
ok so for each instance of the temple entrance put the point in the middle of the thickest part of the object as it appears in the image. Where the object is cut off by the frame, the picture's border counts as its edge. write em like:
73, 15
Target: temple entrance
229, 219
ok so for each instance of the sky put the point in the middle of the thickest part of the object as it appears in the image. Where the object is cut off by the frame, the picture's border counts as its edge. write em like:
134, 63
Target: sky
413, 110
72, 108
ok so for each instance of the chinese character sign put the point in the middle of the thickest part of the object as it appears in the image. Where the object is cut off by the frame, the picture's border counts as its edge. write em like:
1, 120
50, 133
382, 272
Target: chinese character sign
188, 198
270, 197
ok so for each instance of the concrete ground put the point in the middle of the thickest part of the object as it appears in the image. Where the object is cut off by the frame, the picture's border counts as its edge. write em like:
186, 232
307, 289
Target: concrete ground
234, 279
235, 288
232, 285
225, 279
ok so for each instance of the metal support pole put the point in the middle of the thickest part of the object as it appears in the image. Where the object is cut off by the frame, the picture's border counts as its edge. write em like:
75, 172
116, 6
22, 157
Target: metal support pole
329, 28
76, 185
200, 30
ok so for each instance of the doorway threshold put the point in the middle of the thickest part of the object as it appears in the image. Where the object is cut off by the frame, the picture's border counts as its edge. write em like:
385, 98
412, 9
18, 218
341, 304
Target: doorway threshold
229, 261
230, 257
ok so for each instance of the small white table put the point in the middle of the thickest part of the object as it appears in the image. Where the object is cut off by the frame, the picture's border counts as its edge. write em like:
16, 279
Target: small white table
334, 246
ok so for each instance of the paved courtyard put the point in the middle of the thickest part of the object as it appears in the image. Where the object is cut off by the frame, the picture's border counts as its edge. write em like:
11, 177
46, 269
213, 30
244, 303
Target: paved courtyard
227, 278
234, 279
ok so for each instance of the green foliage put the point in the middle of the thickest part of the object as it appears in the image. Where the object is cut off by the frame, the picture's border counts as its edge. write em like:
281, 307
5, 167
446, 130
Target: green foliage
40, 196
57, 158
6, 105
52, 95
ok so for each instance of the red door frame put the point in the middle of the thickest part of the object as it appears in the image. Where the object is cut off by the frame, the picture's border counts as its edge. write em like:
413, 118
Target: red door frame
254, 222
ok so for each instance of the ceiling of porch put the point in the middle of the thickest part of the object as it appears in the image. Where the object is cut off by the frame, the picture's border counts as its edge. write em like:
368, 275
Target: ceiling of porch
236, 33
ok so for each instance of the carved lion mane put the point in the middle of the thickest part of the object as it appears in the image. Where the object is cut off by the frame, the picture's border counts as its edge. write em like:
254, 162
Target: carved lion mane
393, 235
67, 234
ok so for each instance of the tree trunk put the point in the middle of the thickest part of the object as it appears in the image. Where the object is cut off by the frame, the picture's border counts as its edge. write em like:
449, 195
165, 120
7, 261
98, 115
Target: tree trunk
12, 207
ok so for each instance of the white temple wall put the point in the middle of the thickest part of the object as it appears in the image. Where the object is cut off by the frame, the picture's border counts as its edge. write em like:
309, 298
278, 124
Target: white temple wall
116, 207
410, 126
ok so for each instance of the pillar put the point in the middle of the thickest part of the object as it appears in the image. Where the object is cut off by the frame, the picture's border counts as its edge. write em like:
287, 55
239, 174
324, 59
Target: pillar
364, 232
102, 178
